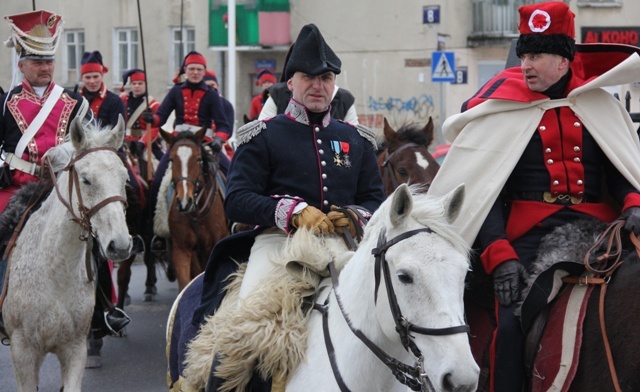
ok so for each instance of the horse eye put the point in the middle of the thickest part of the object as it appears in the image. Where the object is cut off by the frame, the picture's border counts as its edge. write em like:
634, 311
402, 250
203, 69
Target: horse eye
85, 181
403, 172
405, 278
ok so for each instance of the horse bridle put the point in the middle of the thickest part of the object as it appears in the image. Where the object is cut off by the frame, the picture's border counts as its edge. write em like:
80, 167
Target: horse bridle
387, 162
85, 214
198, 186
411, 376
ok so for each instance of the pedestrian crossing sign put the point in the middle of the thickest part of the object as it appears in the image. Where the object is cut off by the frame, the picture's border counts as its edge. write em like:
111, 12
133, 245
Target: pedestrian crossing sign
443, 67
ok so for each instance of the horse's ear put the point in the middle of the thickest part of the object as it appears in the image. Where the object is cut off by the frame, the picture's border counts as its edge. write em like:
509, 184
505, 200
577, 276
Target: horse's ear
401, 205
428, 131
453, 203
389, 133
77, 134
167, 136
200, 134
117, 134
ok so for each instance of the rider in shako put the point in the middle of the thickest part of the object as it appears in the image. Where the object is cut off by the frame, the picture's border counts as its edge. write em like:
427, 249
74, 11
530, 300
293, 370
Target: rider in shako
534, 147
135, 102
291, 171
35, 36
105, 105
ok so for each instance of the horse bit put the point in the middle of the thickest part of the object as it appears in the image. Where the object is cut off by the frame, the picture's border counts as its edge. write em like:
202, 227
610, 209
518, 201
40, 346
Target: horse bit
84, 220
411, 376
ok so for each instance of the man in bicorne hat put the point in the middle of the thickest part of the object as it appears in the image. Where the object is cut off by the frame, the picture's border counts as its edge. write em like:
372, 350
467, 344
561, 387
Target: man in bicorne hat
25, 137
105, 105
534, 147
291, 172
277, 99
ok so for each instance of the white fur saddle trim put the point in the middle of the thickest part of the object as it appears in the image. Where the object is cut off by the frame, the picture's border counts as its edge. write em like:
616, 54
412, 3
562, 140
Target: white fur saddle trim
161, 217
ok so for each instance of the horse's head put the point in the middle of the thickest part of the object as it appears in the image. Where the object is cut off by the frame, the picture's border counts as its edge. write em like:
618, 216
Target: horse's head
423, 262
190, 167
406, 158
96, 177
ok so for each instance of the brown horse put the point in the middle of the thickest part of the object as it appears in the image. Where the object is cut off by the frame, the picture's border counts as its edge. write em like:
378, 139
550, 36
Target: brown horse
591, 369
406, 157
196, 214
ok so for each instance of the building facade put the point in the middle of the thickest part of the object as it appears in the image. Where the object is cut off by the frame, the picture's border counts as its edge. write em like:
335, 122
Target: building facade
387, 47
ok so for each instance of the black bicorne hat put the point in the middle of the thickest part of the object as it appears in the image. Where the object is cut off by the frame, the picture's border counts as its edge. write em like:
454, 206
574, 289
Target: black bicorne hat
311, 54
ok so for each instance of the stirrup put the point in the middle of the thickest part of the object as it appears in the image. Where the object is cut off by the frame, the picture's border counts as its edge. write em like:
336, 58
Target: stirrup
115, 320
158, 245
138, 244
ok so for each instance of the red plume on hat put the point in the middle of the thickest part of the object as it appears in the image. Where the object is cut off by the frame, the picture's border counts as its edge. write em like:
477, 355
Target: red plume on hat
92, 62
134, 75
546, 28
35, 34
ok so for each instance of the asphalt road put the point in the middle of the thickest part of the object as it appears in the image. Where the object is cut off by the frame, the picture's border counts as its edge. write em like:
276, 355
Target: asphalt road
135, 363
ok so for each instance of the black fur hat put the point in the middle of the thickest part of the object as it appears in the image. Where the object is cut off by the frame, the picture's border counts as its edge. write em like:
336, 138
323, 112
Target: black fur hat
311, 54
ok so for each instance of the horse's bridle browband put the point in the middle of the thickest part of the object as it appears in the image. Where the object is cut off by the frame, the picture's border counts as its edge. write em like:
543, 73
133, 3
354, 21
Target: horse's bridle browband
208, 203
412, 376
84, 220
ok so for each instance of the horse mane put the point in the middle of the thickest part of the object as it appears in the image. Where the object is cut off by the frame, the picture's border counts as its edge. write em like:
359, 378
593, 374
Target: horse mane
207, 156
94, 131
428, 211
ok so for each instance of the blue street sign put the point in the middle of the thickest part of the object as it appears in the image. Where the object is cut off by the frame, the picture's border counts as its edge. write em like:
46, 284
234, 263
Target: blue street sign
443, 68
431, 14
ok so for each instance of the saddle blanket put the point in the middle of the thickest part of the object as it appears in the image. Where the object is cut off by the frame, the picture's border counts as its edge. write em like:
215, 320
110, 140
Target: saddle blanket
556, 362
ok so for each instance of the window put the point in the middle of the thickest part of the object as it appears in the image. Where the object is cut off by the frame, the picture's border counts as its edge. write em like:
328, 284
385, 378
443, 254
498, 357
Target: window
180, 47
125, 53
73, 49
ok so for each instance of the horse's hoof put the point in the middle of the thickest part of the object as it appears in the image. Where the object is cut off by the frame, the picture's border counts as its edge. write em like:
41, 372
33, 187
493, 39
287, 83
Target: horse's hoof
149, 297
93, 361
127, 300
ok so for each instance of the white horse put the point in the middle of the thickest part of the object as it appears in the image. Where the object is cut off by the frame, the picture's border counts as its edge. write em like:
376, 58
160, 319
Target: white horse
413, 283
426, 263
51, 293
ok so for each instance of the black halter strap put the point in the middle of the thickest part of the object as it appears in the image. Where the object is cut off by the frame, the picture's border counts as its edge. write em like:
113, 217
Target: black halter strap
412, 376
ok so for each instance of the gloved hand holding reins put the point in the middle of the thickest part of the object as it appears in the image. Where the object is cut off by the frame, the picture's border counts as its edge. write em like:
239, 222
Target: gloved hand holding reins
313, 219
632, 220
341, 221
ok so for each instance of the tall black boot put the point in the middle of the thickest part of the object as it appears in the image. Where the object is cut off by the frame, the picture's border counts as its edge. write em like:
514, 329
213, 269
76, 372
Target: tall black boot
214, 383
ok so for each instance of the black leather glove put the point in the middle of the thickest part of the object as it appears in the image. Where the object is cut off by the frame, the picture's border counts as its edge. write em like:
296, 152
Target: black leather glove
216, 144
148, 117
632, 219
506, 281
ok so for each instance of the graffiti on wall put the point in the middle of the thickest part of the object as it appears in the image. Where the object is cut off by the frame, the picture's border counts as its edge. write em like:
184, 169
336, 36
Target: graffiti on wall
397, 110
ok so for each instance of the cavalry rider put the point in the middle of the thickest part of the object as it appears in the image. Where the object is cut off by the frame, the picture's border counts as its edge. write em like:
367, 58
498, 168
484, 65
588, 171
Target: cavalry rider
196, 106
105, 105
335, 165
342, 102
211, 79
135, 102
35, 115
534, 147
265, 79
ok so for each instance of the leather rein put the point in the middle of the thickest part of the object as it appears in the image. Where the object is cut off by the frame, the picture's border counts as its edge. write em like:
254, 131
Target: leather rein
84, 214
602, 269
200, 183
412, 376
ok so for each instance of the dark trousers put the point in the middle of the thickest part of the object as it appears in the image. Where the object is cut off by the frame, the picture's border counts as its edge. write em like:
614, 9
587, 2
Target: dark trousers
508, 363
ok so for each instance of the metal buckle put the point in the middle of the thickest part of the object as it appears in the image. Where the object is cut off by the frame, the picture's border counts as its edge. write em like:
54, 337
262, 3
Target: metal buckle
561, 198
